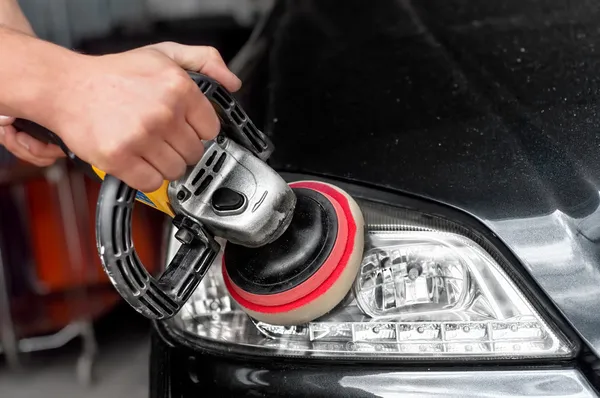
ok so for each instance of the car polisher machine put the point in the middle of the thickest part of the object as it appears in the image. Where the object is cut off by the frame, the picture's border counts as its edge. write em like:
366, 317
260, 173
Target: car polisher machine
291, 251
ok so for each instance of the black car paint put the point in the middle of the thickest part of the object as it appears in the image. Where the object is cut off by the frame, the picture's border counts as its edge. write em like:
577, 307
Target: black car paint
177, 371
472, 106
488, 107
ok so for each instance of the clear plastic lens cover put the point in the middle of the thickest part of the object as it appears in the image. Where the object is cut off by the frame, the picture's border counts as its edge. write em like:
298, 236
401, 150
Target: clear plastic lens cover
423, 291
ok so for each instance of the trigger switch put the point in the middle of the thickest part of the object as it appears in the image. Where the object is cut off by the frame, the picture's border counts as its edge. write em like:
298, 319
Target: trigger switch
225, 199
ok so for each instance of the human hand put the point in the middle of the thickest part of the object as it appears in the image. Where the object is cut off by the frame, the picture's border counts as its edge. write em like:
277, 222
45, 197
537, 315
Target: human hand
25, 147
138, 115
22, 145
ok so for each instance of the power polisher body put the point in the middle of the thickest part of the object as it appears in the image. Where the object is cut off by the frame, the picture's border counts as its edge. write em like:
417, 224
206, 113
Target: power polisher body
233, 194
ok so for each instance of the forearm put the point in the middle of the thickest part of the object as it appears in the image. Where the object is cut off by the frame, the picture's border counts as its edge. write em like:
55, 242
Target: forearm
32, 75
11, 16
17, 54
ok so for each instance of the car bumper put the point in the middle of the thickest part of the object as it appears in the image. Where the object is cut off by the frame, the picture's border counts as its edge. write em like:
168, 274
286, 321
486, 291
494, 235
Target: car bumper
181, 371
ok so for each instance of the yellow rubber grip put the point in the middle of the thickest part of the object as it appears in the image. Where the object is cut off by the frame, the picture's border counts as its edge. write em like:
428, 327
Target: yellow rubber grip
158, 199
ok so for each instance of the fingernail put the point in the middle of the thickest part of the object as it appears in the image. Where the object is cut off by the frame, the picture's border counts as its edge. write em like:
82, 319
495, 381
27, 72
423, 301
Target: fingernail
23, 142
5, 120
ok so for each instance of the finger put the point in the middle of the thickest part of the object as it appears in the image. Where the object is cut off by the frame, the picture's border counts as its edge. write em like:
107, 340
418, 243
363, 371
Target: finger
9, 140
203, 59
38, 148
139, 174
6, 120
201, 115
187, 144
165, 160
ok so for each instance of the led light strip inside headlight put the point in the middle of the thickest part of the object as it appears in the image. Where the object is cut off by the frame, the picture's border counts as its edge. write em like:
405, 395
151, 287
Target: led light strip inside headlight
425, 290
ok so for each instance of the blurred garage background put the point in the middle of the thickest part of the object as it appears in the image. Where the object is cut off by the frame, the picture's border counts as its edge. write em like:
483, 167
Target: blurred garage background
63, 330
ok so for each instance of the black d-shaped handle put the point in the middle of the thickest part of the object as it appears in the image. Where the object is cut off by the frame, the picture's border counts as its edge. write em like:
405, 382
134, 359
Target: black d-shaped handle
155, 299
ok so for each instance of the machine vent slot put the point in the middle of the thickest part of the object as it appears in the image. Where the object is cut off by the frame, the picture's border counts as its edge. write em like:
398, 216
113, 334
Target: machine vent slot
186, 285
211, 158
159, 303
162, 297
203, 185
127, 228
122, 217
204, 86
138, 264
236, 115
121, 192
131, 195
114, 226
219, 163
198, 176
126, 278
207, 257
222, 98
150, 307
136, 273
252, 135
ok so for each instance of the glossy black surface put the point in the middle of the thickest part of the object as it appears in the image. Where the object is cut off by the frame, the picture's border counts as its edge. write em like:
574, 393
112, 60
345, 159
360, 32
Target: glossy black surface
293, 258
490, 107
177, 372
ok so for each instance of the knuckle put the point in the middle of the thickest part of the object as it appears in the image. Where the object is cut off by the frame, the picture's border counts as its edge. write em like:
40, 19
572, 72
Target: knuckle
36, 151
212, 52
178, 82
110, 168
140, 130
162, 115
111, 151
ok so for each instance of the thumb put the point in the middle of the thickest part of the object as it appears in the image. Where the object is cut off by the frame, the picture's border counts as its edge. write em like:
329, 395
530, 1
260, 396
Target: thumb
6, 120
202, 59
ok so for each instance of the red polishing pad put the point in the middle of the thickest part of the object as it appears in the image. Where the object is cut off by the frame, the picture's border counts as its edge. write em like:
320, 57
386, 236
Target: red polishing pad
310, 269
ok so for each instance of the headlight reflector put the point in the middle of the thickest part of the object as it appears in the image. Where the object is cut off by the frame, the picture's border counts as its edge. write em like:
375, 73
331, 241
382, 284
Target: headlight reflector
425, 290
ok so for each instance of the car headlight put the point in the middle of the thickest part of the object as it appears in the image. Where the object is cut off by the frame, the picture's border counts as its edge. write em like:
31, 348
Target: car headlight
427, 288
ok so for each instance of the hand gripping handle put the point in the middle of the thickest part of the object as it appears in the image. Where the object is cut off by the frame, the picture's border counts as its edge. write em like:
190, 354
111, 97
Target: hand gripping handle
48, 137
163, 297
235, 123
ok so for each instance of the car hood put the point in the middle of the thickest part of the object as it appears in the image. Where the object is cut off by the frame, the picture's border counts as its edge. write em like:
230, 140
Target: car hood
487, 107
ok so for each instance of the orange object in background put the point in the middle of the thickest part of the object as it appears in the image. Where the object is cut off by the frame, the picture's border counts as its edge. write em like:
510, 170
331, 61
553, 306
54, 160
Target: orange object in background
54, 265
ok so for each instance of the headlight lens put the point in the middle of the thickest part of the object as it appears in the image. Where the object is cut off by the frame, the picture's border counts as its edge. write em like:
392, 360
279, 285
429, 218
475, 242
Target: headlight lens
425, 290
